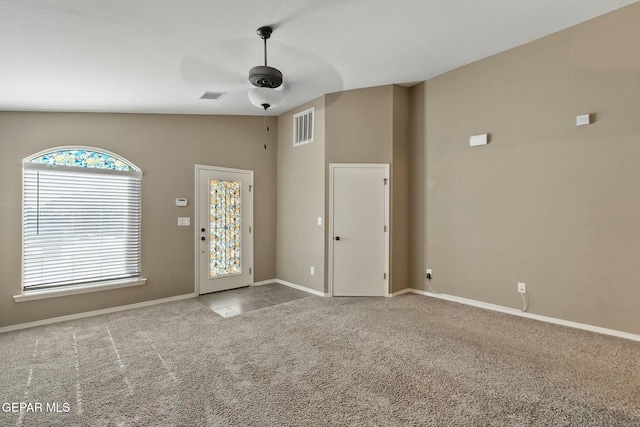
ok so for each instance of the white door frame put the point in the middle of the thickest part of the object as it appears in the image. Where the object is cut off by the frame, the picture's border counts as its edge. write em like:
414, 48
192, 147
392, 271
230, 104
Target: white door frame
196, 221
332, 167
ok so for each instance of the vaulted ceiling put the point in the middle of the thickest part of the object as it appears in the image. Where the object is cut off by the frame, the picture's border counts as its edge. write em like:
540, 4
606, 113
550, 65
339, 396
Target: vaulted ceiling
159, 56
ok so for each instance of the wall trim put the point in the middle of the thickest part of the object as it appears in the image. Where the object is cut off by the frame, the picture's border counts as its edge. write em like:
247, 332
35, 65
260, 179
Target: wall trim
517, 312
94, 313
78, 289
402, 292
446, 297
300, 288
264, 282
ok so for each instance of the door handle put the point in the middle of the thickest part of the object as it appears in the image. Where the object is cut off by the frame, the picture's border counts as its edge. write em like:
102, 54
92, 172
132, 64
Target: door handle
203, 238
337, 237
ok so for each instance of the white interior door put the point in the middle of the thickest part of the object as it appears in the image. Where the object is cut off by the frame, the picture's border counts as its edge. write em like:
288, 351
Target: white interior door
224, 221
359, 227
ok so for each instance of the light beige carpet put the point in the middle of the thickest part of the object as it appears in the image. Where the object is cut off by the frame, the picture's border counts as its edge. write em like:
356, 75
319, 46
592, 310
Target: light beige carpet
409, 360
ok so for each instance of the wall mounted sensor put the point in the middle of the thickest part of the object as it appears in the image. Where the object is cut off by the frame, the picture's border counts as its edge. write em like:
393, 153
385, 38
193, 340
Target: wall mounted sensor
482, 139
181, 201
582, 120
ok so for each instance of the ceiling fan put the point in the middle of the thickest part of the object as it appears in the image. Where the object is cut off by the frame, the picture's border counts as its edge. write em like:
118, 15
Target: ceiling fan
227, 66
265, 78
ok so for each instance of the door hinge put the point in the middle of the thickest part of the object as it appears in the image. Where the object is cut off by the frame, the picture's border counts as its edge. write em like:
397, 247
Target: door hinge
250, 188
385, 181
249, 271
385, 228
385, 276
249, 229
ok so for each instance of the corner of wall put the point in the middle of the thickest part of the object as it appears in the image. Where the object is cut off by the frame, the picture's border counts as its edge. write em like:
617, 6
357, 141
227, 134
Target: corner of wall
399, 273
300, 201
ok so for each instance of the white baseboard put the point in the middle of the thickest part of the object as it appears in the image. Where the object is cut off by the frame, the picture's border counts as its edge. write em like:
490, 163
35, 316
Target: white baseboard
300, 288
466, 301
402, 292
264, 282
94, 313
517, 312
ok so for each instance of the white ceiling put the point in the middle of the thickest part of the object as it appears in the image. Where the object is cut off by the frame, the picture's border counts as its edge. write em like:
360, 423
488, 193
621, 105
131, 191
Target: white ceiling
158, 56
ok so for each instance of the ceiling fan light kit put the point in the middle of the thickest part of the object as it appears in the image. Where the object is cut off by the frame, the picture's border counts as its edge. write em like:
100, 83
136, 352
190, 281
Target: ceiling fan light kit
265, 78
264, 97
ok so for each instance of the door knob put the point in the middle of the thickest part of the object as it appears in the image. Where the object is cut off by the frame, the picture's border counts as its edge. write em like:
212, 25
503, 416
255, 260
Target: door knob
337, 237
203, 238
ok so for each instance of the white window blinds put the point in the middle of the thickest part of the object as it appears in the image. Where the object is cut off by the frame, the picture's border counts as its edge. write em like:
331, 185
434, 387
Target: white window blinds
81, 225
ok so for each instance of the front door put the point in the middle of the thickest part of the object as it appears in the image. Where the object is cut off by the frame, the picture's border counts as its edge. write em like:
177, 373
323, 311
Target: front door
359, 249
224, 228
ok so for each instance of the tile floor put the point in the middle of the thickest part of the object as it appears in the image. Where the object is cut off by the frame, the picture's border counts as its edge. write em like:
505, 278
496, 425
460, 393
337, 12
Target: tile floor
237, 301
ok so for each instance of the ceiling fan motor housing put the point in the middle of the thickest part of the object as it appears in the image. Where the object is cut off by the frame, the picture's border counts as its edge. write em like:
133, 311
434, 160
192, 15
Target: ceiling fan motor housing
265, 76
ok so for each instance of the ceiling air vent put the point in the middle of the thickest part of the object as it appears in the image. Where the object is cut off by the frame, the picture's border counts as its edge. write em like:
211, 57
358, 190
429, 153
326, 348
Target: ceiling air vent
213, 95
303, 127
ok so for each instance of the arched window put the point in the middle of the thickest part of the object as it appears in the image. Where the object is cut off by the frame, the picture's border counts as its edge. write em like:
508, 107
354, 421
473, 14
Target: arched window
81, 218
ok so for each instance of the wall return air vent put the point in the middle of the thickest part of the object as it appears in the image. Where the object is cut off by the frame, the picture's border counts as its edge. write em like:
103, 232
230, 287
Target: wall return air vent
303, 126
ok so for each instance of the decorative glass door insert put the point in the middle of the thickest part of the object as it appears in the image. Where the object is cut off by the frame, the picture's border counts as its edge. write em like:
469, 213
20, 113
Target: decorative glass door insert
225, 228
224, 214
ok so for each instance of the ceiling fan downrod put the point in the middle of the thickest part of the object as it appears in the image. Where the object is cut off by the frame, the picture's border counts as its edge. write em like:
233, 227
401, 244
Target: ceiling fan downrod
264, 33
263, 75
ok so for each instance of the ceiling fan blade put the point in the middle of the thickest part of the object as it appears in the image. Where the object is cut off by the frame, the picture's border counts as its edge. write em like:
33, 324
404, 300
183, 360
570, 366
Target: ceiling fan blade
306, 11
221, 62
305, 71
196, 71
224, 66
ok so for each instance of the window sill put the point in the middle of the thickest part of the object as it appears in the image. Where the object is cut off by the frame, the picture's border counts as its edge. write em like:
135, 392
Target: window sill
79, 289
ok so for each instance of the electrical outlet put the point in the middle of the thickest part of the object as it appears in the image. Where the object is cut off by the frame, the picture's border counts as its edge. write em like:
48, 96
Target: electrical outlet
522, 287
312, 271
429, 274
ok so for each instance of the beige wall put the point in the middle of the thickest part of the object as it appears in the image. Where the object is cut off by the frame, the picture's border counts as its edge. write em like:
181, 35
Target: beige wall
166, 148
359, 130
546, 203
301, 177
417, 186
400, 187
371, 126
359, 126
